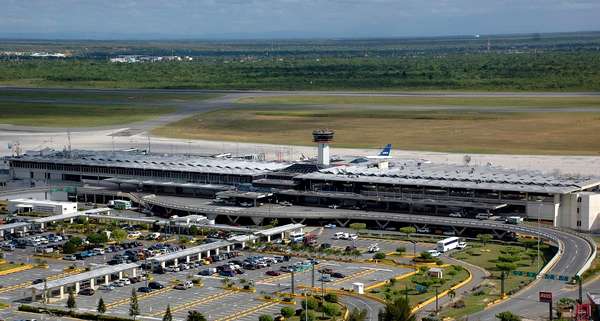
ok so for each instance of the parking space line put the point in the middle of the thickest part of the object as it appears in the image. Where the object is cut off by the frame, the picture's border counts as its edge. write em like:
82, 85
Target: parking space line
283, 276
246, 312
140, 297
353, 276
196, 302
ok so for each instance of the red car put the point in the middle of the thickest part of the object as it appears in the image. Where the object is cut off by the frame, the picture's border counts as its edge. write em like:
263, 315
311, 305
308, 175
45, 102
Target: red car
273, 273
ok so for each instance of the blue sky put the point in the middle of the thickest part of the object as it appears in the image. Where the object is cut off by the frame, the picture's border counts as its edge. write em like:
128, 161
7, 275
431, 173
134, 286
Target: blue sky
293, 18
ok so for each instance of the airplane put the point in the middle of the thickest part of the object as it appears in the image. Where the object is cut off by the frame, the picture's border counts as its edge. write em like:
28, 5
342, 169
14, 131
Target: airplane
386, 153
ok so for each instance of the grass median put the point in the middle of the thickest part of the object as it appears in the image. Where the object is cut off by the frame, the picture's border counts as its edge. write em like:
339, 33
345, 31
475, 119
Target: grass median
490, 257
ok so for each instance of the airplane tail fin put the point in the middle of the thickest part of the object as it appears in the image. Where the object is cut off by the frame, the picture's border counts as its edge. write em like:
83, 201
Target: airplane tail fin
386, 151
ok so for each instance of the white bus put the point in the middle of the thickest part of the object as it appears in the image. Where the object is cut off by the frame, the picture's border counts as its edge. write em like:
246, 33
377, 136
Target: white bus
296, 237
447, 244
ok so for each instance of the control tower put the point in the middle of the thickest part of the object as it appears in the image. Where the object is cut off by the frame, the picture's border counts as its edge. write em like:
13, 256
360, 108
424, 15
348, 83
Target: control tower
323, 137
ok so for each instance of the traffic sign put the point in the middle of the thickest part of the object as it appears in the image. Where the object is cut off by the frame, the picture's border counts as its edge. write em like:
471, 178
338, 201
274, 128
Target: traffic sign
546, 297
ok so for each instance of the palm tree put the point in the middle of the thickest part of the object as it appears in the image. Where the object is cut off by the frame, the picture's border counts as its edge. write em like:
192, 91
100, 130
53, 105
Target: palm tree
195, 316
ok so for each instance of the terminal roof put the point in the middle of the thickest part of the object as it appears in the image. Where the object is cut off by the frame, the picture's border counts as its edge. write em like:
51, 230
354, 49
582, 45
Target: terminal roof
174, 162
455, 176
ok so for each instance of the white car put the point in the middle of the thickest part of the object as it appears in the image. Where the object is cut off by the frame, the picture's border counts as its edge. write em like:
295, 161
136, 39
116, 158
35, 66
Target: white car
107, 287
134, 235
455, 214
462, 245
353, 236
333, 206
434, 253
330, 226
423, 230
285, 203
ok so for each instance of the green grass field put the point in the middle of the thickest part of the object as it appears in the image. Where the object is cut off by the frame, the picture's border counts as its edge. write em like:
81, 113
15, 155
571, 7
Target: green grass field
88, 109
468, 131
106, 96
392, 291
75, 115
550, 102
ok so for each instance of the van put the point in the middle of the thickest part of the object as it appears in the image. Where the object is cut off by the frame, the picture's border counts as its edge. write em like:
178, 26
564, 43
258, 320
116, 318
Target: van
483, 216
325, 278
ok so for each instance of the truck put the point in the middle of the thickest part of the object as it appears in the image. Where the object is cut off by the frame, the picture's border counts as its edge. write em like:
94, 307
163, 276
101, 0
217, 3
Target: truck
514, 220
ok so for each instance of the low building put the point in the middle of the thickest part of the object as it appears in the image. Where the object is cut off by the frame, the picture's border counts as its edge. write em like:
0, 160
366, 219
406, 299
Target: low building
23, 205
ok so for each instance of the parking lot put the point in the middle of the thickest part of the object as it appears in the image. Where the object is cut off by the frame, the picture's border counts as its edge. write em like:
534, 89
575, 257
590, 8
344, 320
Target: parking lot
265, 274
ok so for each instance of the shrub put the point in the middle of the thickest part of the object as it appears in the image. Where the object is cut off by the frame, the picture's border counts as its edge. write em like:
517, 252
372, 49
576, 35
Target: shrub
310, 303
379, 256
287, 312
459, 304
265, 317
401, 249
307, 315
331, 297
331, 309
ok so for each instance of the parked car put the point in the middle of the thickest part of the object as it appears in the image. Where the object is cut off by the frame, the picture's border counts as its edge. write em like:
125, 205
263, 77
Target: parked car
338, 275
462, 245
144, 289
424, 230
455, 214
107, 287
69, 257
87, 291
434, 253
273, 273
184, 285
330, 226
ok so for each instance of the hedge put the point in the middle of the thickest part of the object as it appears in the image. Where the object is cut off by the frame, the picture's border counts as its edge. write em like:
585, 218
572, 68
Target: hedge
72, 314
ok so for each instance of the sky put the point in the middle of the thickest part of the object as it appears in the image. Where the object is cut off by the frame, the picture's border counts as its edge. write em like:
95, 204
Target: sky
198, 19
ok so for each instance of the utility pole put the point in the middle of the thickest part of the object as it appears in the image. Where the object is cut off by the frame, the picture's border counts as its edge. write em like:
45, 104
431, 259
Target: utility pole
502, 277
580, 286
437, 306
322, 294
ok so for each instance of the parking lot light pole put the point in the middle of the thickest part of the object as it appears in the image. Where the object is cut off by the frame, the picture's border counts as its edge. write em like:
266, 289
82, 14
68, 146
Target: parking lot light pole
312, 284
437, 307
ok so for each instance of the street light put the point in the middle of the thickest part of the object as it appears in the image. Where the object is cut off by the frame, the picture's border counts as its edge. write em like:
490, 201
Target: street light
539, 235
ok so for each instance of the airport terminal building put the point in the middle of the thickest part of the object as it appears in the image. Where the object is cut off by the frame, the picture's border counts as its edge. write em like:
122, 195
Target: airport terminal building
403, 186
